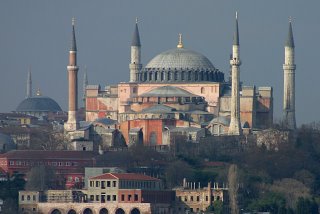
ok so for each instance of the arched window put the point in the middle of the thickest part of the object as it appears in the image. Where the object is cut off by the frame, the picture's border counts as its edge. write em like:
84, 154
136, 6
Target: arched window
162, 76
135, 211
56, 211
103, 211
176, 75
182, 75
120, 211
72, 212
196, 76
169, 75
189, 75
87, 211
156, 76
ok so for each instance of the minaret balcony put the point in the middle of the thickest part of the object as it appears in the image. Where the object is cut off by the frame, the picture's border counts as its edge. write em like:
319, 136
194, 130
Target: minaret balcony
289, 67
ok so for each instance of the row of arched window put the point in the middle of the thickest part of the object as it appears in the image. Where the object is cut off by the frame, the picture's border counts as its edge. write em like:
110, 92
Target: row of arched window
165, 75
102, 211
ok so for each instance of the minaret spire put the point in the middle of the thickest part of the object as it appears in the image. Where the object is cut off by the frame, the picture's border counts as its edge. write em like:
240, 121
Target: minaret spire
235, 125
135, 64
72, 123
29, 84
289, 70
73, 40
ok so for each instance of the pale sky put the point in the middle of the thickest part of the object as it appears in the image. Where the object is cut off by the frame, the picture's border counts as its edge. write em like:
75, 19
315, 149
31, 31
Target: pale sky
37, 33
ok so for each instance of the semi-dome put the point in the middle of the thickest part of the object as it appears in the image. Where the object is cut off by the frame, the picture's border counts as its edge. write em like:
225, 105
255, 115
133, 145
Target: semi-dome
38, 104
180, 58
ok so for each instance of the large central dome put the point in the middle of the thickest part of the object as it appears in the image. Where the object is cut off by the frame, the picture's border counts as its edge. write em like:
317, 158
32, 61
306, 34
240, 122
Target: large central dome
180, 65
180, 58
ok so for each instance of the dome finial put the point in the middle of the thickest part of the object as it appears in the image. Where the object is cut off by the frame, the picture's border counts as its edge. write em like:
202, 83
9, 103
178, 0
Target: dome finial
136, 20
39, 92
180, 44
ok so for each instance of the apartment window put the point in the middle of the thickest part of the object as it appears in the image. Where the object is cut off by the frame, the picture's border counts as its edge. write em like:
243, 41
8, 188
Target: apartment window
122, 197
191, 198
91, 183
97, 198
33, 197
60, 164
185, 198
28, 198
91, 197
114, 198
54, 163
114, 183
129, 197
22, 197
103, 184
76, 179
136, 197
70, 179
108, 183
108, 198
11, 163
206, 198
68, 163
198, 198
18, 163
97, 183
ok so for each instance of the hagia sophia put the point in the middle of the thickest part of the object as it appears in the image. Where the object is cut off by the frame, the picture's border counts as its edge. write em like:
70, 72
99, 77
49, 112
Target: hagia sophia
179, 92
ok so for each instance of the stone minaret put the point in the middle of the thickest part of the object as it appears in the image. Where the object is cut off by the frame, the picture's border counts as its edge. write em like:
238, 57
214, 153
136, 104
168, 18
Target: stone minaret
29, 85
235, 126
85, 83
289, 82
135, 65
72, 123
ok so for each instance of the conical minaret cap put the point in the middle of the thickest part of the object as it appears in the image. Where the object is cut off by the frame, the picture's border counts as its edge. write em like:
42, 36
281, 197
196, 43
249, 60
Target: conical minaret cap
236, 32
290, 41
73, 41
136, 36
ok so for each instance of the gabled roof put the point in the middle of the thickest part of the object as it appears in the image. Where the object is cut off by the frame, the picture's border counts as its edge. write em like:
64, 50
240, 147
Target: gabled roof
125, 176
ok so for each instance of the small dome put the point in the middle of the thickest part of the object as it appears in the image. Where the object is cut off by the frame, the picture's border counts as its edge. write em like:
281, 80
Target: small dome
180, 58
6, 143
38, 104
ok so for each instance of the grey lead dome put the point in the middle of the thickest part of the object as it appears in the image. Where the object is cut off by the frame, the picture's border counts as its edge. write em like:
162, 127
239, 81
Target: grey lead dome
180, 58
38, 104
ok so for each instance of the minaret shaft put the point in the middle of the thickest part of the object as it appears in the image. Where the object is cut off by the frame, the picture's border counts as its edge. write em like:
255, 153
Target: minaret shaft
72, 123
235, 125
289, 70
289, 89
29, 85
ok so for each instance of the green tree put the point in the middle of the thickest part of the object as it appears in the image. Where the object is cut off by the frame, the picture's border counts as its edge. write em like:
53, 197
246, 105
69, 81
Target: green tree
176, 171
306, 206
40, 178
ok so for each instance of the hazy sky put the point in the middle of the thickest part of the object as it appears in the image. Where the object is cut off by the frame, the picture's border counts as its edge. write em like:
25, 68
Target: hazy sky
38, 34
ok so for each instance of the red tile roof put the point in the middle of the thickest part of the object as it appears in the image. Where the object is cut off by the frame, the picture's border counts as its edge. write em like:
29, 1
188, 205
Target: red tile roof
43, 155
126, 176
